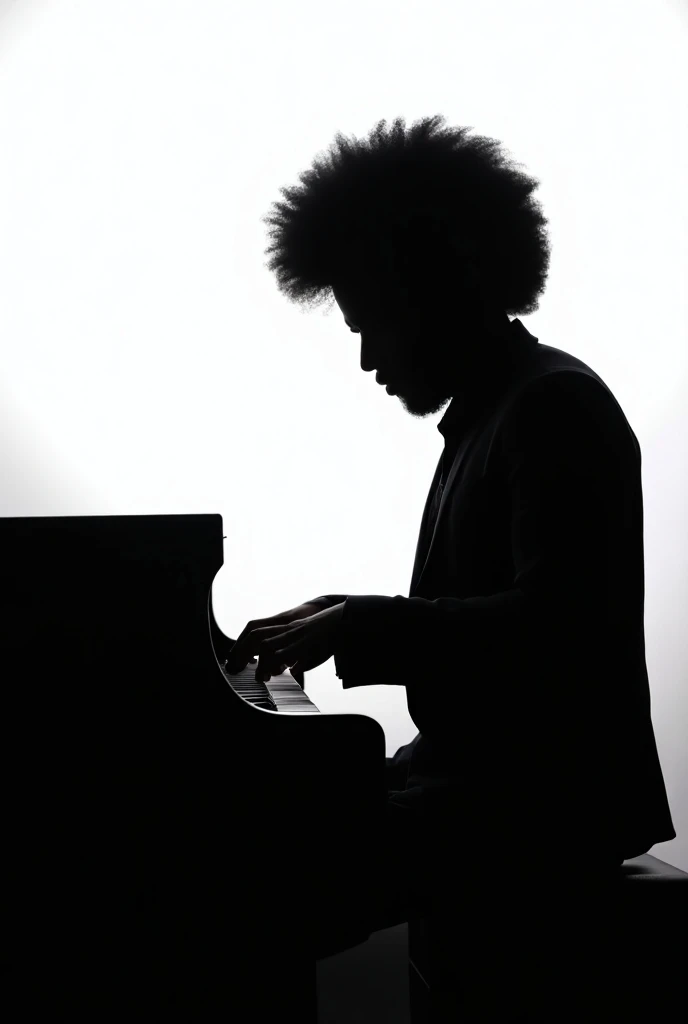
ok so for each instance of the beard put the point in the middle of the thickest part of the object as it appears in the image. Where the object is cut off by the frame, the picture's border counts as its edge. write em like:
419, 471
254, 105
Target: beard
443, 361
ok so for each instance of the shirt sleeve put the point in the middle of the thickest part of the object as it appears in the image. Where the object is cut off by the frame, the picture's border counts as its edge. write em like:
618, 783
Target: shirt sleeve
563, 450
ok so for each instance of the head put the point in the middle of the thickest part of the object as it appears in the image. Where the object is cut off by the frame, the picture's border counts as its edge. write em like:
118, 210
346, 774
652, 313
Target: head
425, 240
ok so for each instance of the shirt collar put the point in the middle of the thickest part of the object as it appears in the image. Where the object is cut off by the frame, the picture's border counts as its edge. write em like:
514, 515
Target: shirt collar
464, 406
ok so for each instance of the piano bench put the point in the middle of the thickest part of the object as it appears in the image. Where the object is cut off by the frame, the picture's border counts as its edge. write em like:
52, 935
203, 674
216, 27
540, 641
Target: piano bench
638, 973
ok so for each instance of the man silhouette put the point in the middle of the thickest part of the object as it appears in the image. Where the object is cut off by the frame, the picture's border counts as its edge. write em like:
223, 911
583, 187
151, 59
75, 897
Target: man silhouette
521, 643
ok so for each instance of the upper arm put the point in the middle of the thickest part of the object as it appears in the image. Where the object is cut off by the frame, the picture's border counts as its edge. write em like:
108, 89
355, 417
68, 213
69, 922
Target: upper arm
568, 461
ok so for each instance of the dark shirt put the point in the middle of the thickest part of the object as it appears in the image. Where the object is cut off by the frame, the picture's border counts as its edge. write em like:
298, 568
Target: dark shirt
521, 644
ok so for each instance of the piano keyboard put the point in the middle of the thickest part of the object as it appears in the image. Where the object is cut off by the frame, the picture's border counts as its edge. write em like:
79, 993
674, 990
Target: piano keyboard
281, 693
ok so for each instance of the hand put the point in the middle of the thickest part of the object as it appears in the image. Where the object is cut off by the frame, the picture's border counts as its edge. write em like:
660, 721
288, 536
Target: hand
300, 611
302, 644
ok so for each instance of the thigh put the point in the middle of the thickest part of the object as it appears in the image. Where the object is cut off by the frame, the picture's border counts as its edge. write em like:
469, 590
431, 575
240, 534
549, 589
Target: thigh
397, 767
403, 866
398, 867
396, 774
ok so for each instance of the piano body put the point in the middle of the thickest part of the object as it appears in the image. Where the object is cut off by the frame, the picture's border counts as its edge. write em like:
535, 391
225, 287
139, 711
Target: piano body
179, 841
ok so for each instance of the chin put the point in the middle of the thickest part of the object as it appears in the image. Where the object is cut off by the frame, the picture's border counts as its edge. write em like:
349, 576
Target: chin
421, 405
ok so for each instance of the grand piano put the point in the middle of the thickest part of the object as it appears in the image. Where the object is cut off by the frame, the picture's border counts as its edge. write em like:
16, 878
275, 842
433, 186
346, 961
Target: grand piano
181, 840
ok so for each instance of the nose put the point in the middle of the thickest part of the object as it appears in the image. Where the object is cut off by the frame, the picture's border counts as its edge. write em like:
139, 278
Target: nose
369, 353
367, 364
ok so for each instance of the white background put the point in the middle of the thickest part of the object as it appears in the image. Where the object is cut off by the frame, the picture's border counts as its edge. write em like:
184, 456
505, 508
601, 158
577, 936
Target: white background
150, 364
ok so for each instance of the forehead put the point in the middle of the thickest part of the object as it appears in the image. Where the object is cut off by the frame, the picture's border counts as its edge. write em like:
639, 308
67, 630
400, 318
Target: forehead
359, 300
370, 288
349, 302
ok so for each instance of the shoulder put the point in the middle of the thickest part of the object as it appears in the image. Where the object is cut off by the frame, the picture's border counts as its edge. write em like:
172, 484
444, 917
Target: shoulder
565, 404
558, 377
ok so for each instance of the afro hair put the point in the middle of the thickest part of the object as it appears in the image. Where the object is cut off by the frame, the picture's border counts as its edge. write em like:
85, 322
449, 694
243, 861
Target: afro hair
449, 205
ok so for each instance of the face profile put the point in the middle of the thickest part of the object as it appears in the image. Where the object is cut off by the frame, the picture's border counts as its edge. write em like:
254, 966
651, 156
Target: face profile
422, 360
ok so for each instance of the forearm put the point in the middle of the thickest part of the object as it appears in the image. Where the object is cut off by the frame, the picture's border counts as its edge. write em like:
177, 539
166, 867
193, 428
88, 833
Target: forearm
390, 640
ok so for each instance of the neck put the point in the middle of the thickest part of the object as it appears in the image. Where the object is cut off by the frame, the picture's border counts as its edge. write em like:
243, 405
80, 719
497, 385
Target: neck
488, 346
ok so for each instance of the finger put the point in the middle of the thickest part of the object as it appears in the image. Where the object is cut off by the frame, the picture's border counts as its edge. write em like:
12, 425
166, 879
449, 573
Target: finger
236, 657
234, 665
285, 657
273, 663
265, 672
248, 645
263, 676
274, 652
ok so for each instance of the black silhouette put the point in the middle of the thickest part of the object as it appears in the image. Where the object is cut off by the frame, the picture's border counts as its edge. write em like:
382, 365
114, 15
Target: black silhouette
521, 643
